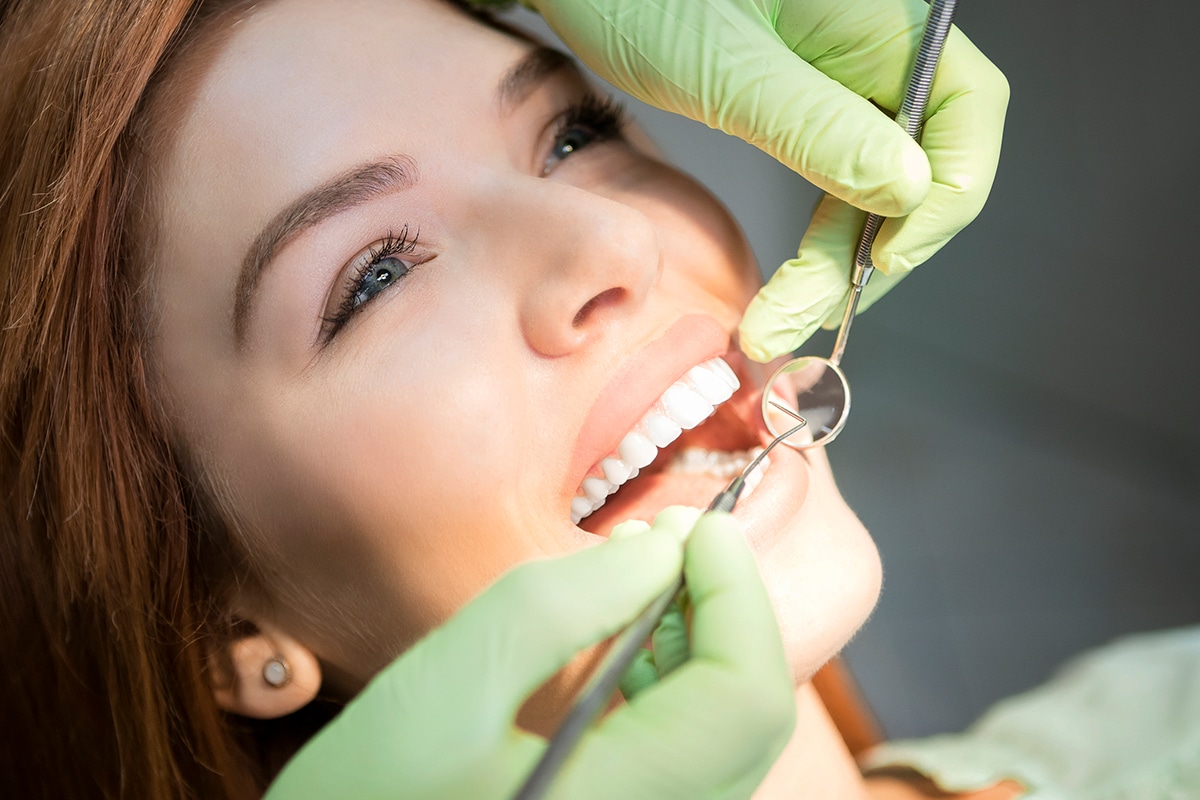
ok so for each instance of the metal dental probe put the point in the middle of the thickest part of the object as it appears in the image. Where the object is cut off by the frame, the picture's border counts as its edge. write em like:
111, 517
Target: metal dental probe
624, 649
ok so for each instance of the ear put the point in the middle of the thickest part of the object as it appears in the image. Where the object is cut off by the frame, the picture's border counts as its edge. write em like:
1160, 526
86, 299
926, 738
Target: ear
243, 683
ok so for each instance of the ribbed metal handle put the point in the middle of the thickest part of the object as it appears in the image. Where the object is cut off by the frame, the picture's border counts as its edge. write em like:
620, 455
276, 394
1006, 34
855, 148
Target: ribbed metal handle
910, 117
920, 83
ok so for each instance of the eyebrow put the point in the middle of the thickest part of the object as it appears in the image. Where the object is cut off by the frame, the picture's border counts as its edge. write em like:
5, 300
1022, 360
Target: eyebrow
353, 188
365, 183
527, 74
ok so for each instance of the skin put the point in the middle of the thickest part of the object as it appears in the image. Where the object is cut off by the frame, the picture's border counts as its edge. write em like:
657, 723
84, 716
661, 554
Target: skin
384, 478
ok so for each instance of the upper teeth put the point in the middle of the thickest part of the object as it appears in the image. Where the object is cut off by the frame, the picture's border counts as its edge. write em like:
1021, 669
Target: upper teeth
683, 406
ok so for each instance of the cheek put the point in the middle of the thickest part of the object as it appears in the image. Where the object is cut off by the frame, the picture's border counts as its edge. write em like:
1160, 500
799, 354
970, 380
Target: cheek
701, 240
392, 502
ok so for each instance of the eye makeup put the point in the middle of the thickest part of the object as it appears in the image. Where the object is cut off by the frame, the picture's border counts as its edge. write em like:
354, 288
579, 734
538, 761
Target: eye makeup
381, 267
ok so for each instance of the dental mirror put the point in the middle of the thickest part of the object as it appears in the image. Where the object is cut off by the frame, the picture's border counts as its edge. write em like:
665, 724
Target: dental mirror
815, 388
811, 387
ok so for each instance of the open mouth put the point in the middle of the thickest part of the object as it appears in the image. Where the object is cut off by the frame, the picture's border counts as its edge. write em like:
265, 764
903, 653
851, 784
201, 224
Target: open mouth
683, 450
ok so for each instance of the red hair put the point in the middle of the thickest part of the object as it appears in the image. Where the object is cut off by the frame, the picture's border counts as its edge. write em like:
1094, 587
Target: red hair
115, 566
110, 597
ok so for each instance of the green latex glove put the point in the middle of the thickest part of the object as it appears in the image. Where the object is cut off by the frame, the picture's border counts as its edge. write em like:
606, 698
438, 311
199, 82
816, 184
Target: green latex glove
798, 79
669, 648
438, 723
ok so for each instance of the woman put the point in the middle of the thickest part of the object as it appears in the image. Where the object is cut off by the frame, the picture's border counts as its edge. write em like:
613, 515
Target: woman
314, 332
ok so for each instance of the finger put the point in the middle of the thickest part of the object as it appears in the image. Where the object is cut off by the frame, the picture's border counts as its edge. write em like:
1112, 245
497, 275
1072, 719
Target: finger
962, 139
671, 742
806, 290
834, 138
731, 613
679, 520
751, 85
670, 641
641, 675
630, 527
670, 650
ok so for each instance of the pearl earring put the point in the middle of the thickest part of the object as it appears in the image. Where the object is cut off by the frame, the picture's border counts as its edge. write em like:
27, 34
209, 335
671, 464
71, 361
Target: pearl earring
276, 672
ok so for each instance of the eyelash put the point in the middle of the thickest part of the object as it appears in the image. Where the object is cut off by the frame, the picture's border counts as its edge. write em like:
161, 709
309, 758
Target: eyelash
602, 116
391, 246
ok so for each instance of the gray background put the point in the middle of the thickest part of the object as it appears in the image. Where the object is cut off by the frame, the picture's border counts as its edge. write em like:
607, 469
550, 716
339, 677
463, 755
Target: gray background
1025, 445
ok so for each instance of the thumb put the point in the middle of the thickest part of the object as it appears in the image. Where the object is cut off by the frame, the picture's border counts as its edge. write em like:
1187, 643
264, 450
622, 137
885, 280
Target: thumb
807, 290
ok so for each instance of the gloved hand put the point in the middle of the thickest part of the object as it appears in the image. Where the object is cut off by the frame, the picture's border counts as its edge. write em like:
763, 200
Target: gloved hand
438, 723
797, 78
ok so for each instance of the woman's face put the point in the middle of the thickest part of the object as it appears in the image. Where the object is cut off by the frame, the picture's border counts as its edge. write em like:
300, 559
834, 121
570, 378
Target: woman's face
413, 288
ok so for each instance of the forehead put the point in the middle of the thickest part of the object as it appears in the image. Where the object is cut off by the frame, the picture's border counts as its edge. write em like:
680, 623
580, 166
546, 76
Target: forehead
308, 60
299, 90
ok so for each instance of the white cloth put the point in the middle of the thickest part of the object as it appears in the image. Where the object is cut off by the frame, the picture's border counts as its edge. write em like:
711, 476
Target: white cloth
1122, 721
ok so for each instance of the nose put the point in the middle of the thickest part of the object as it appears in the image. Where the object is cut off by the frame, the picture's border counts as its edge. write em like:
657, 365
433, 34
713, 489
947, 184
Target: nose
589, 262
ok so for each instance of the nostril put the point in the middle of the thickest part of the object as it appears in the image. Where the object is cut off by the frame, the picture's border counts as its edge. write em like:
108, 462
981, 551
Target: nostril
608, 297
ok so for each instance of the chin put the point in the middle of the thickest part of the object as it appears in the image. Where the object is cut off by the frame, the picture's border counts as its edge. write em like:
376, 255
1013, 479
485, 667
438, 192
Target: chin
824, 579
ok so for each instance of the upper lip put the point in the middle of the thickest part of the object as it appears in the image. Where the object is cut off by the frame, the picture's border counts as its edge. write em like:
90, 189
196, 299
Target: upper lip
638, 382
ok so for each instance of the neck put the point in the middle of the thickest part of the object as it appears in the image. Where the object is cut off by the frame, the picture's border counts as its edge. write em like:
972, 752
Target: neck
815, 765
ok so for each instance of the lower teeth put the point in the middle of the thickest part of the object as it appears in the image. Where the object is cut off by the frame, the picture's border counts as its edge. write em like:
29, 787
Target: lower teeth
695, 461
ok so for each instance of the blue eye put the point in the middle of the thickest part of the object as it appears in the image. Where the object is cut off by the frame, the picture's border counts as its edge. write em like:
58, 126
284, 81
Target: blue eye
377, 272
379, 275
593, 119
574, 138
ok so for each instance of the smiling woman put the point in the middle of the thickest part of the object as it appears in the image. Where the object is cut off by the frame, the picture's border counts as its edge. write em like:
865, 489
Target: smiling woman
310, 336
485, 246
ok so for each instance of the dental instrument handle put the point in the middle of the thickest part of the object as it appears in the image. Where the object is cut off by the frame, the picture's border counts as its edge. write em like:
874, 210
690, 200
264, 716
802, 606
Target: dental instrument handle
910, 117
728, 497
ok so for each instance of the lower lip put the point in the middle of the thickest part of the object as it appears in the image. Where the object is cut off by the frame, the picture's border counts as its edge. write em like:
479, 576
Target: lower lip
765, 514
